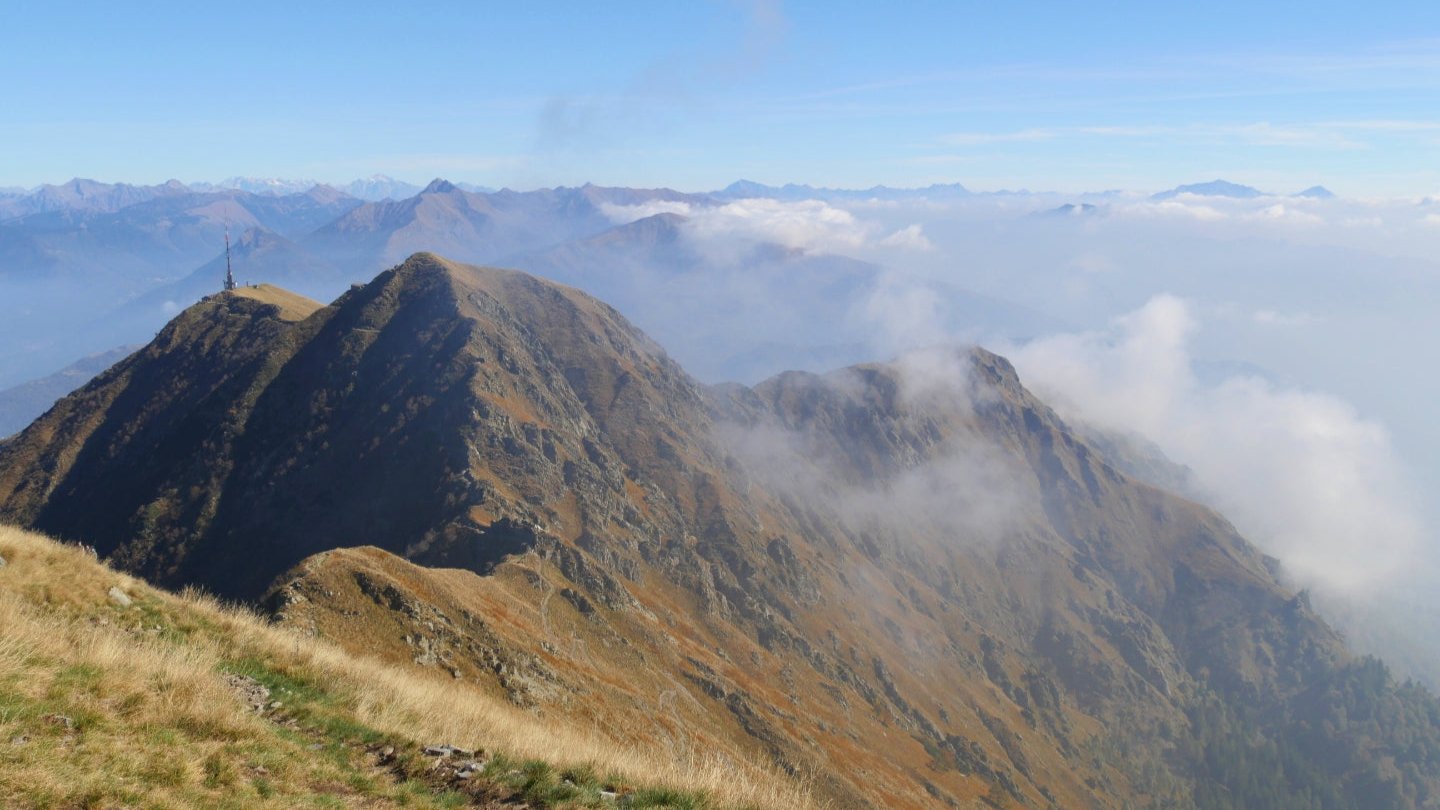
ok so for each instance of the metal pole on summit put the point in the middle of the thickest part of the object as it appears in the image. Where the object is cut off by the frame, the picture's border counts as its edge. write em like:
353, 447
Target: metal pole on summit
229, 276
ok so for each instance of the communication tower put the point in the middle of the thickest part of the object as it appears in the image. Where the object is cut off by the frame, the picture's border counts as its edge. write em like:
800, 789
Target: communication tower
229, 276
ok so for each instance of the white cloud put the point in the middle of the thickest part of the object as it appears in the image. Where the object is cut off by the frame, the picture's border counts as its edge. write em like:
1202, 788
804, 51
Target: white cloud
911, 237
1280, 212
1186, 206
807, 224
623, 214
1267, 210
903, 314
965, 490
1300, 473
1368, 223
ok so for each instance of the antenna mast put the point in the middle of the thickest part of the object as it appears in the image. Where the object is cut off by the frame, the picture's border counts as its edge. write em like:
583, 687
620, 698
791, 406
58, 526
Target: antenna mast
229, 276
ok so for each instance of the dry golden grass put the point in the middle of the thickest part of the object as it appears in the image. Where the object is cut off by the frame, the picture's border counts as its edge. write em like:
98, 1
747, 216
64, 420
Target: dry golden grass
103, 705
292, 306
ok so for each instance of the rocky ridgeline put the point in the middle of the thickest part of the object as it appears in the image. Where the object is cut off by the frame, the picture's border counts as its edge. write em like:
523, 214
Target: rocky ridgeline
909, 582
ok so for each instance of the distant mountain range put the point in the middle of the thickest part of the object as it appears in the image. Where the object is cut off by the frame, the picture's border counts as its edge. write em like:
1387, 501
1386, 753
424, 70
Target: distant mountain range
20, 405
477, 227
374, 187
1224, 188
259, 185
85, 195
86, 266
742, 189
81, 194
144, 234
92, 195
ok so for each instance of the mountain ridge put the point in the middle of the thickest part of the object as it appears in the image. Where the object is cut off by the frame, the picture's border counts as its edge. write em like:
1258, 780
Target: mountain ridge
917, 552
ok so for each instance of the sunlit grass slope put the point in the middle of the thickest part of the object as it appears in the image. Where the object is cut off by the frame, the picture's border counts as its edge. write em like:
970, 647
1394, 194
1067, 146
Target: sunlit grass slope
104, 703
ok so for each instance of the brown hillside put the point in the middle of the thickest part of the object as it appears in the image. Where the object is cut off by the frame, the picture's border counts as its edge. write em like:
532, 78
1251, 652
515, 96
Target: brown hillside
121, 695
908, 583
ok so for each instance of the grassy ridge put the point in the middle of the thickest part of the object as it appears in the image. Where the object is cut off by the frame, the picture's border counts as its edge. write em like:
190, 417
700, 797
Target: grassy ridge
104, 704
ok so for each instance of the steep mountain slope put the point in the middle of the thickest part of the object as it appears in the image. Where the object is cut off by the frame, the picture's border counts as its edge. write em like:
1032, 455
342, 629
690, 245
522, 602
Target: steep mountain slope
910, 583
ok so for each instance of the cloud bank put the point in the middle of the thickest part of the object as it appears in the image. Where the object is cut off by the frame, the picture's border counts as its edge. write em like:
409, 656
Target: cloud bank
1300, 473
806, 224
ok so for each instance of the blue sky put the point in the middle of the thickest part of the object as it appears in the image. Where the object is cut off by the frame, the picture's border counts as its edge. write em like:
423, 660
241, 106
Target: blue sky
1058, 96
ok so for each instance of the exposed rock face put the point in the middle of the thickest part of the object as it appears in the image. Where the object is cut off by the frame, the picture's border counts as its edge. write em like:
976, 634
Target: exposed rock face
911, 583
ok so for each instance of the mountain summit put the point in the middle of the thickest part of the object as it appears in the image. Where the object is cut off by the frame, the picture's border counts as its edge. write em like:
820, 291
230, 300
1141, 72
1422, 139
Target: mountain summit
439, 341
908, 583
1214, 188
